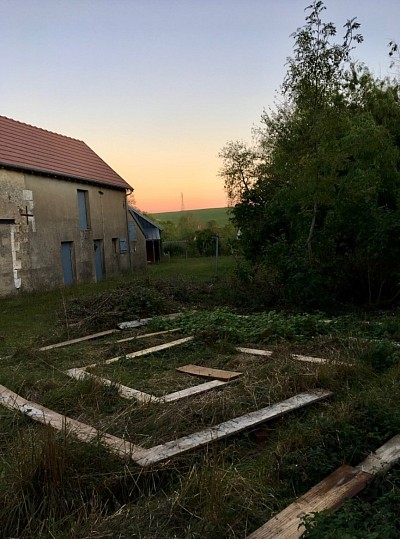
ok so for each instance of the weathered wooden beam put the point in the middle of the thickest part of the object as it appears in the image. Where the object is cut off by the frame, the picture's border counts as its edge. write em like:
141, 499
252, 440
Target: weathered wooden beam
190, 391
125, 391
79, 339
383, 458
148, 335
297, 357
233, 426
330, 493
143, 321
159, 453
254, 351
75, 428
147, 351
207, 372
146, 398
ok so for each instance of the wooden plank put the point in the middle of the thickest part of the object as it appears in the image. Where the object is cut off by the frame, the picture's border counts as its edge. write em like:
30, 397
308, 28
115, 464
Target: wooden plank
80, 339
146, 398
330, 493
147, 351
383, 458
312, 359
207, 372
146, 457
254, 351
297, 357
190, 391
62, 423
148, 335
143, 321
176, 447
124, 391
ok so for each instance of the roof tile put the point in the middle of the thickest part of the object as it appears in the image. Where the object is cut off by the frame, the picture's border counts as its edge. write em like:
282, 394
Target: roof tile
28, 147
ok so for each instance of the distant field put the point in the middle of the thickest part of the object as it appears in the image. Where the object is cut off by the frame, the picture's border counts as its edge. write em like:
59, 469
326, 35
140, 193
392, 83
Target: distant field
220, 215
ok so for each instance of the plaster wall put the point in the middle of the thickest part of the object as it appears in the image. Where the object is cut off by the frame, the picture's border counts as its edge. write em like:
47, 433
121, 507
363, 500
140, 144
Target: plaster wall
45, 212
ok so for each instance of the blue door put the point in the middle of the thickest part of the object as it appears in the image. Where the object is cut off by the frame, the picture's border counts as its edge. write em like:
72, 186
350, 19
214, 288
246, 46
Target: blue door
98, 259
67, 262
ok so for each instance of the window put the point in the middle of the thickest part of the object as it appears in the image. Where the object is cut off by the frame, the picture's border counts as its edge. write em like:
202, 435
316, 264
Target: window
123, 245
83, 208
115, 245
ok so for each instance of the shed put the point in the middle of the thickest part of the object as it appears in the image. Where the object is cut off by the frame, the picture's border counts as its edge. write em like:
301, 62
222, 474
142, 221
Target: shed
152, 233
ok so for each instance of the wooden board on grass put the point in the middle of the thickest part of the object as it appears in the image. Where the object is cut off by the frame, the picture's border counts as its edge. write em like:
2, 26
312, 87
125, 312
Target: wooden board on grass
147, 351
254, 351
75, 428
207, 372
191, 391
146, 398
159, 453
80, 339
155, 334
198, 439
330, 493
124, 391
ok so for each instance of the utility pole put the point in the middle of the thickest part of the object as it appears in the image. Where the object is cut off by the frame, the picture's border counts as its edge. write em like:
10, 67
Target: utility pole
182, 203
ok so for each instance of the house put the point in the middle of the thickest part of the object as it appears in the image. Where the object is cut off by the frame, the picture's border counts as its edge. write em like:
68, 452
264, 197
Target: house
152, 233
63, 212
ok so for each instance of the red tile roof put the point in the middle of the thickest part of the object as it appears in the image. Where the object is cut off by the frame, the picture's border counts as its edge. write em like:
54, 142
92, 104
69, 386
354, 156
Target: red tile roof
23, 146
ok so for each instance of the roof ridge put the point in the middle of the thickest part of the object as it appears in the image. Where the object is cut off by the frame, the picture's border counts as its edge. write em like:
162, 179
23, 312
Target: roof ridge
41, 129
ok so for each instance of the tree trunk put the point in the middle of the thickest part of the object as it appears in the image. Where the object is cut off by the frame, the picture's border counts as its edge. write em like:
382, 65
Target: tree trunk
311, 231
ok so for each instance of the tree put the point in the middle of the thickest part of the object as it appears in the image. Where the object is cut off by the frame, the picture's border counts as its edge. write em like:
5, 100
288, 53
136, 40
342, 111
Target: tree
240, 169
321, 214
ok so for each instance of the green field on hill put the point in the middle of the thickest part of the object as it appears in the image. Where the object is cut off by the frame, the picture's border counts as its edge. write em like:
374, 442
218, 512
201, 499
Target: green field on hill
220, 215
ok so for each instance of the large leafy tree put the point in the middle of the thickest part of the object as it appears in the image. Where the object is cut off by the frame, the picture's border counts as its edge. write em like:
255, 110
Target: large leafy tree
322, 213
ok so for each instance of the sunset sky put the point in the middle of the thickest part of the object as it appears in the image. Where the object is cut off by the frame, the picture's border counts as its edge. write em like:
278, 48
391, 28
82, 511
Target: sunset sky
157, 87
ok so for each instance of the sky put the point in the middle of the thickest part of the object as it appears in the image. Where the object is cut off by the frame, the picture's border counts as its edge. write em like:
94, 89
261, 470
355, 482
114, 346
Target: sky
158, 87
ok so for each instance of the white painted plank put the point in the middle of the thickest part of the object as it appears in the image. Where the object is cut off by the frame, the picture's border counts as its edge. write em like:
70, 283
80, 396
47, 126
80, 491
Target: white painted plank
254, 351
146, 398
147, 351
233, 426
148, 335
297, 357
124, 391
143, 321
62, 423
383, 458
190, 391
79, 339
312, 359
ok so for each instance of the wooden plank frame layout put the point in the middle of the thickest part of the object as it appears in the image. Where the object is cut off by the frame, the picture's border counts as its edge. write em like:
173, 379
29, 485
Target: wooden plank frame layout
159, 453
146, 398
330, 493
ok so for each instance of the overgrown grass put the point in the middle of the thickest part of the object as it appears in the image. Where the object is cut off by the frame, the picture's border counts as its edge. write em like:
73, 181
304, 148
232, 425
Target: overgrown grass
52, 486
